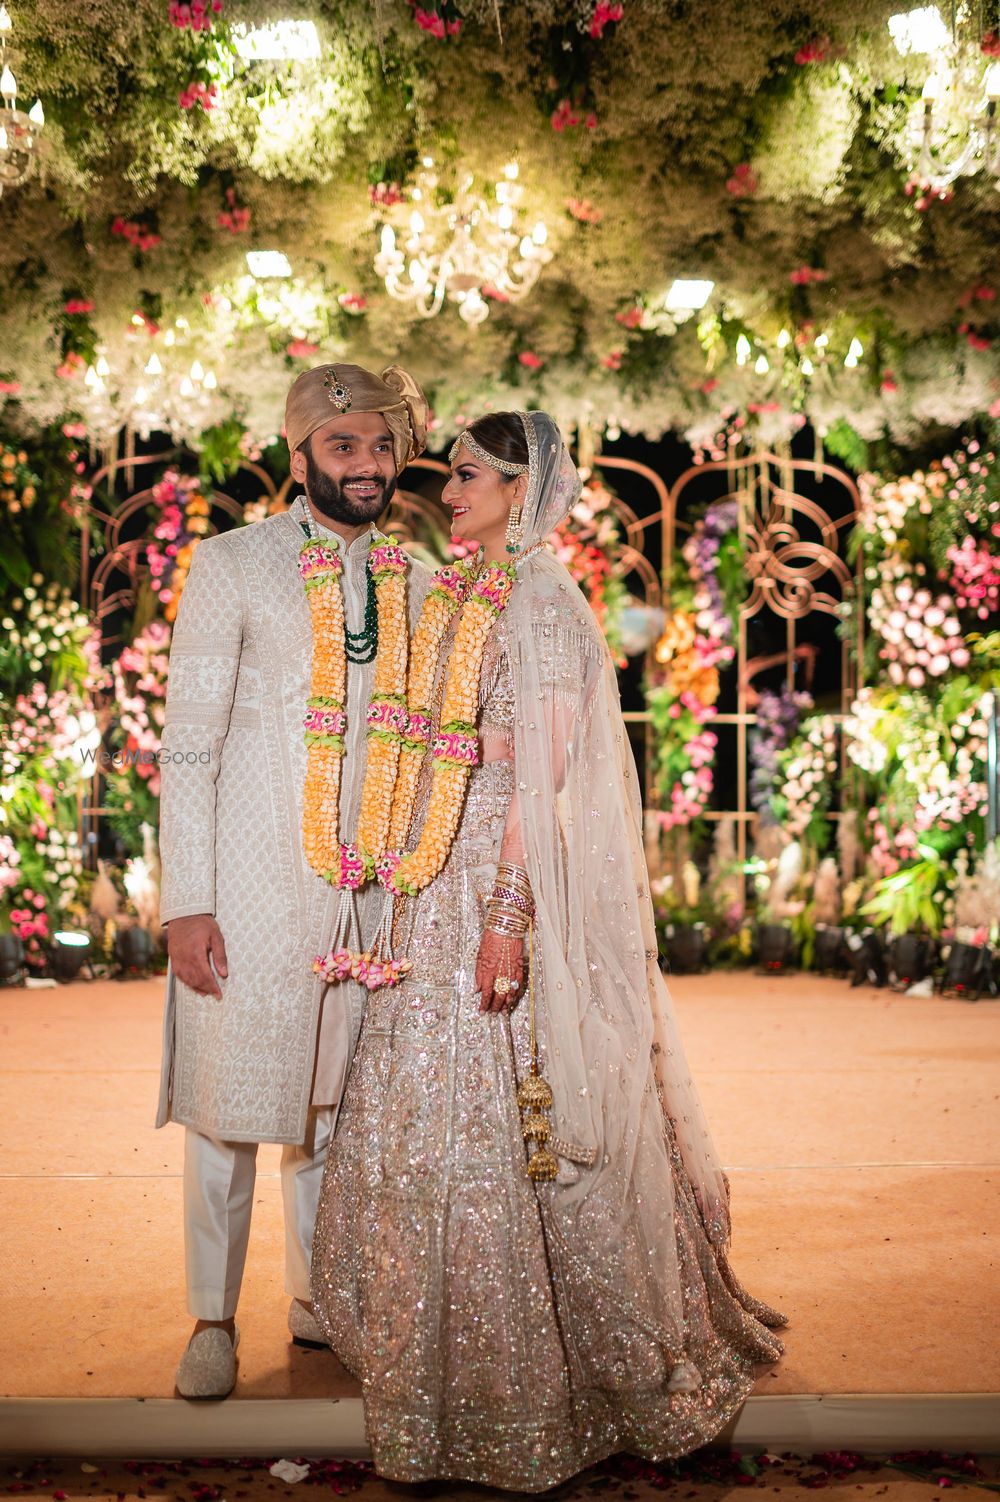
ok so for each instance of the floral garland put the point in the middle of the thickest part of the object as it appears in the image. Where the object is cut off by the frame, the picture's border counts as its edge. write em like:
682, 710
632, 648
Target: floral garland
455, 750
345, 865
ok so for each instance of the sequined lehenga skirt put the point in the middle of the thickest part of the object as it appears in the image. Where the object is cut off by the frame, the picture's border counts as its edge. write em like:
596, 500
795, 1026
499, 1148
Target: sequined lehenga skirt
439, 1276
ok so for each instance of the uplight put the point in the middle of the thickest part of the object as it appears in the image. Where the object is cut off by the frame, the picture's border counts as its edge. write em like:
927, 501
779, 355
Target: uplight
278, 41
263, 263
920, 30
688, 296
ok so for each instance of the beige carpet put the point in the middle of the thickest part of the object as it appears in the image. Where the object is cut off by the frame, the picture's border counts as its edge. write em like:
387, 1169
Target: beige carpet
861, 1130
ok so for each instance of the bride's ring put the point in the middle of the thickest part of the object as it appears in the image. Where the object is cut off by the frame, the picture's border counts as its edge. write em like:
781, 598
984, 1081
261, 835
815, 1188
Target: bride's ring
502, 985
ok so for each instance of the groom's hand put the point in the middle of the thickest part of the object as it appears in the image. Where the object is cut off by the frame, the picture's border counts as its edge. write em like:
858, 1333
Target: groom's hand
191, 943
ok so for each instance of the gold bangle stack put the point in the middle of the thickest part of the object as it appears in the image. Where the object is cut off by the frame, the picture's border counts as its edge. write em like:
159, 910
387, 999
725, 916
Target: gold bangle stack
509, 912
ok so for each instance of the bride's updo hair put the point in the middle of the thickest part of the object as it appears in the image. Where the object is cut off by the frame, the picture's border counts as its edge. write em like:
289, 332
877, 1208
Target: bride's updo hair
502, 435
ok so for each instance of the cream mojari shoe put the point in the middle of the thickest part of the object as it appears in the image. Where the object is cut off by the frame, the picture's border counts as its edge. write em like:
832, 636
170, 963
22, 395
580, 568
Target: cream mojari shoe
305, 1327
208, 1367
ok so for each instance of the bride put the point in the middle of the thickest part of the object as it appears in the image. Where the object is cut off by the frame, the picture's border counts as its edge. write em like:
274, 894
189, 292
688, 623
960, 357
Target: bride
521, 1242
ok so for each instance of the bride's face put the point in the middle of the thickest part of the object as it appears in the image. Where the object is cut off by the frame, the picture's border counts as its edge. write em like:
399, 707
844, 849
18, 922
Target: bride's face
480, 498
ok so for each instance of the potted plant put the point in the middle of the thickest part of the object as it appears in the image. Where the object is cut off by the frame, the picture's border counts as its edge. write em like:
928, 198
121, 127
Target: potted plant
682, 921
910, 903
969, 958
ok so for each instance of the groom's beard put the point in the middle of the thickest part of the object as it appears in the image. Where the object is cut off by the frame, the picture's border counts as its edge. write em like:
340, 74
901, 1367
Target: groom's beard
330, 498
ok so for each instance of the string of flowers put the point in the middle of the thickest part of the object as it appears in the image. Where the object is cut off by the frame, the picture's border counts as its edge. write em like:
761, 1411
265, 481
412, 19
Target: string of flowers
455, 750
807, 772
386, 716
778, 716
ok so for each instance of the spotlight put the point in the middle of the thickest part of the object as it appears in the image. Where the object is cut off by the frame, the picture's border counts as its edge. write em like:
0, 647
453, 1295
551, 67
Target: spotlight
968, 972
775, 947
264, 263
687, 947
867, 958
133, 950
68, 953
11, 958
911, 959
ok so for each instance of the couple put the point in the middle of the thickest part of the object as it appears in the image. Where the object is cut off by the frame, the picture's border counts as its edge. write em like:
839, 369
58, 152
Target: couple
517, 1237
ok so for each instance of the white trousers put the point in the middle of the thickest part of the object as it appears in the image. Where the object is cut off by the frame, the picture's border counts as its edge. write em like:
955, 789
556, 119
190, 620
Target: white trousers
219, 1182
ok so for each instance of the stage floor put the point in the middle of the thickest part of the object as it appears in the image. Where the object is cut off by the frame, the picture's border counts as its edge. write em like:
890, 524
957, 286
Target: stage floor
860, 1129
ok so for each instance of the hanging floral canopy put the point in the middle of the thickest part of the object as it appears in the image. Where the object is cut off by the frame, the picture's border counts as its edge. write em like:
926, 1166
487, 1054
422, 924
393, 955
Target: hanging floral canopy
220, 194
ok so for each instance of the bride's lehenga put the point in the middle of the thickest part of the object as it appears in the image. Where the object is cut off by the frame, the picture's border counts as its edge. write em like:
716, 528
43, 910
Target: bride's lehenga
499, 1338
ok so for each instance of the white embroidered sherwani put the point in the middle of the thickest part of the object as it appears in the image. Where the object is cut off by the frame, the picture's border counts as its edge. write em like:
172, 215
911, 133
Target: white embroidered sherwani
247, 1067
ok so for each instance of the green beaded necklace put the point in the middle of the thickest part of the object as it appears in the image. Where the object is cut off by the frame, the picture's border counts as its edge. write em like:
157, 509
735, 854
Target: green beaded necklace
360, 646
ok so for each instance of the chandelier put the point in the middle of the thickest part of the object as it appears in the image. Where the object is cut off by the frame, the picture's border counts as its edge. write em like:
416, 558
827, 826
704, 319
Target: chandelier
146, 390
18, 131
953, 129
461, 247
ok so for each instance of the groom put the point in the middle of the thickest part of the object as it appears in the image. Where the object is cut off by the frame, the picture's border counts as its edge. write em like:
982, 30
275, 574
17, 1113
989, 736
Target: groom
256, 1046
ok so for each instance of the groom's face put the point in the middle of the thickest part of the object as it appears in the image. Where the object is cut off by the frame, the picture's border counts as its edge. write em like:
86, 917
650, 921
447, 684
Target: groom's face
348, 468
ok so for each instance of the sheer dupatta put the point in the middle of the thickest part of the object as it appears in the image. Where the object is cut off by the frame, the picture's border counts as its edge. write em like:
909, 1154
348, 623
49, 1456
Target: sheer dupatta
612, 1050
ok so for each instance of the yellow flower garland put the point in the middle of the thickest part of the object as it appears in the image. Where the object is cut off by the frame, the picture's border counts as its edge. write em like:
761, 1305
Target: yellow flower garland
320, 565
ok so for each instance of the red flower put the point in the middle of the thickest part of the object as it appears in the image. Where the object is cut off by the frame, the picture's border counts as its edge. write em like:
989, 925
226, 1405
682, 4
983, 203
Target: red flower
384, 195
603, 16
71, 366
613, 361
888, 385
78, 305
744, 181
430, 21
352, 302
9, 388
631, 318
301, 349
530, 360
802, 276
198, 93
990, 44
978, 341
496, 293
709, 386
816, 51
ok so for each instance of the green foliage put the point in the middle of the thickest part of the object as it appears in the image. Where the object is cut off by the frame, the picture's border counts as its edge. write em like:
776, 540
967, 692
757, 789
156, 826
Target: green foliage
912, 898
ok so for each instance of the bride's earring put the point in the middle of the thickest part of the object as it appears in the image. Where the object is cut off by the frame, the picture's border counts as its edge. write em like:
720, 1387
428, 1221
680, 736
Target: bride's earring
515, 529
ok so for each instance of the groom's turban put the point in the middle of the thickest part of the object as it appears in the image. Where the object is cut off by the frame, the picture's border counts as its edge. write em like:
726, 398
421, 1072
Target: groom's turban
330, 391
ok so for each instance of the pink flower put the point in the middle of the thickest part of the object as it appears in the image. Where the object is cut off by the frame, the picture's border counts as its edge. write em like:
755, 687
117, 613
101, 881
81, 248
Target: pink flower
301, 349
802, 276
236, 218
431, 22
71, 366
352, 302
631, 318
385, 195
888, 386
563, 116
613, 361
78, 305
583, 210
744, 181
990, 44
198, 93
530, 360
815, 51
9, 388
977, 341
603, 16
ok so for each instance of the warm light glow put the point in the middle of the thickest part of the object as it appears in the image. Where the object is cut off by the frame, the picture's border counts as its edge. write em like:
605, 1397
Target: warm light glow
920, 30
806, 367
153, 366
417, 222
688, 296
278, 41
197, 371
742, 350
511, 171
540, 233
8, 84
761, 366
784, 339
991, 83
3, 139
186, 388
268, 263
822, 340
505, 216
856, 350
102, 367
388, 240
933, 88
36, 114
5, 21
210, 383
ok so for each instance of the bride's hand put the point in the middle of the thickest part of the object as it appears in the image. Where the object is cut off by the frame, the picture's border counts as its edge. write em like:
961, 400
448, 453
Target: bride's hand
498, 957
